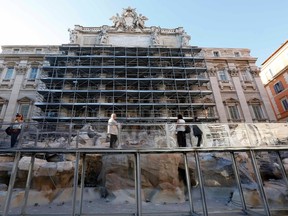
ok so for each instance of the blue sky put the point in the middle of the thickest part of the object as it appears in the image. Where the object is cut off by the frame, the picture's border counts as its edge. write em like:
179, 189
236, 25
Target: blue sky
259, 25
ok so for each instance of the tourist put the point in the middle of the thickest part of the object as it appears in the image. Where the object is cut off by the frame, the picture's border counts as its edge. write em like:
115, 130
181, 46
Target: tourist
180, 130
16, 128
113, 130
197, 132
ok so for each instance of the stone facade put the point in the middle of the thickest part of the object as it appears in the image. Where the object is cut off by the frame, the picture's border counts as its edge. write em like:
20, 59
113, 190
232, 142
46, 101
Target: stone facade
20, 71
220, 84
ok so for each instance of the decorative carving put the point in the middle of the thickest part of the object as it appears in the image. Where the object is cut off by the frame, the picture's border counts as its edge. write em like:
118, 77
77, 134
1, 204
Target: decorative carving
73, 35
230, 101
21, 69
118, 21
155, 35
254, 101
212, 72
185, 39
129, 20
255, 73
233, 72
140, 21
103, 35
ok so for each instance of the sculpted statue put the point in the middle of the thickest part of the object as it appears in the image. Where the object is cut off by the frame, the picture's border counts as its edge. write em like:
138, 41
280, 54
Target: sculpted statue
155, 36
103, 36
128, 20
129, 12
73, 35
185, 39
117, 20
140, 20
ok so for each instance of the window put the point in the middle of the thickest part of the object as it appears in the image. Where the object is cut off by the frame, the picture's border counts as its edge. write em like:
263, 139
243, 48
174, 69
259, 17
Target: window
285, 104
222, 76
270, 73
9, 73
237, 54
234, 113
278, 87
246, 76
33, 73
15, 51
24, 109
216, 54
38, 51
209, 112
257, 111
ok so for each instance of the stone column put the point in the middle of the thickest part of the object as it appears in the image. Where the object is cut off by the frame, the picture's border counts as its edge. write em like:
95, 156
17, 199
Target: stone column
241, 96
217, 96
12, 105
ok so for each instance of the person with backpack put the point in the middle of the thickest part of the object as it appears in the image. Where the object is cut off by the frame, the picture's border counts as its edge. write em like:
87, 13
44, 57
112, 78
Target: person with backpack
16, 129
197, 131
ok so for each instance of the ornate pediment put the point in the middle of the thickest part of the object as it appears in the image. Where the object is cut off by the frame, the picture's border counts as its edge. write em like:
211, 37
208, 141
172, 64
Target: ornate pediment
254, 101
129, 30
230, 101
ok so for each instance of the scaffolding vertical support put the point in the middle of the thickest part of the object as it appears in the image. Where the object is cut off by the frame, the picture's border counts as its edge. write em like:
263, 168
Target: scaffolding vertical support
167, 135
138, 184
82, 182
37, 137
188, 183
28, 183
77, 139
260, 184
75, 183
200, 178
70, 135
11, 183
236, 173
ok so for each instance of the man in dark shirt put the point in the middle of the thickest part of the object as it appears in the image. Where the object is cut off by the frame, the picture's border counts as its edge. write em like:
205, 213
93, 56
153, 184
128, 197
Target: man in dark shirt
197, 132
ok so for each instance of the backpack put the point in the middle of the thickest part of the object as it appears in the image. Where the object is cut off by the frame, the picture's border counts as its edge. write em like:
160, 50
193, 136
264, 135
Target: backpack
9, 130
187, 129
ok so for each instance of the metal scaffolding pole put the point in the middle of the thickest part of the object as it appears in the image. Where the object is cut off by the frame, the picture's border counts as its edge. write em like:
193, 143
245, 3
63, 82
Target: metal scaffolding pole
138, 184
260, 184
28, 183
236, 173
11, 183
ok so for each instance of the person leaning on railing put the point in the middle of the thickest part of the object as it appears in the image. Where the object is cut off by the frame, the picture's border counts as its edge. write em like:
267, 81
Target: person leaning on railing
16, 128
180, 130
197, 132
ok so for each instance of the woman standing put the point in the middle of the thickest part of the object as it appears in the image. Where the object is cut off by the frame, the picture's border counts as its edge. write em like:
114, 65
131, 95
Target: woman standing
16, 126
180, 129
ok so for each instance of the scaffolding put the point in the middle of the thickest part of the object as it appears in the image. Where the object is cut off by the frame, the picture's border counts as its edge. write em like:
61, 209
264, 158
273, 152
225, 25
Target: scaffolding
150, 85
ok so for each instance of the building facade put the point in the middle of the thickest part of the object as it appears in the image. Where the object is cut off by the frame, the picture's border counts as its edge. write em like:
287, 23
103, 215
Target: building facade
274, 74
20, 71
143, 74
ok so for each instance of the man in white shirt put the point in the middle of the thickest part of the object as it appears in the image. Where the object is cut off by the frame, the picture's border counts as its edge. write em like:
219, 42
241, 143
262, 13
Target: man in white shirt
113, 130
180, 128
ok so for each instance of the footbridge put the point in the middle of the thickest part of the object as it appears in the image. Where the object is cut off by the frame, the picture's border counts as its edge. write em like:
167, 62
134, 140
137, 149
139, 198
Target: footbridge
68, 169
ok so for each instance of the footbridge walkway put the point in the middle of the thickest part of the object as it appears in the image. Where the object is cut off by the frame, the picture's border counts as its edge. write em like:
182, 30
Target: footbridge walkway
236, 164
